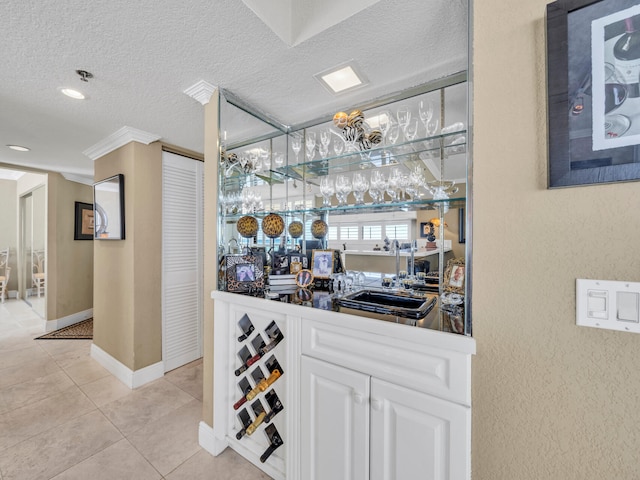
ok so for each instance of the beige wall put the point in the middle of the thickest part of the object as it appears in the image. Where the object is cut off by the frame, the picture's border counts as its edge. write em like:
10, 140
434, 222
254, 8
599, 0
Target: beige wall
550, 400
127, 280
9, 227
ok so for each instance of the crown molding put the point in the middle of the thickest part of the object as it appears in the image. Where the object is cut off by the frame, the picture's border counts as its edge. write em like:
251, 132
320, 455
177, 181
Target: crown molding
201, 91
72, 177
118, 139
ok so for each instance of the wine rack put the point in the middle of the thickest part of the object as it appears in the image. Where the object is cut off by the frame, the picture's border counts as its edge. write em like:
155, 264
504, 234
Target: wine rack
259, 385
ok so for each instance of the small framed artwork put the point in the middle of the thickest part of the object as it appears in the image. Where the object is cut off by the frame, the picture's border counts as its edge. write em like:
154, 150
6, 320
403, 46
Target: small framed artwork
304, 278
454, 276
244, 273
322, 263
593, 92
84, 223
295, 267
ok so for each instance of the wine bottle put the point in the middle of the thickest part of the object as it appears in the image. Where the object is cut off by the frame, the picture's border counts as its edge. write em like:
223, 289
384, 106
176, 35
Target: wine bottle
276, 441
627, 54
256, 423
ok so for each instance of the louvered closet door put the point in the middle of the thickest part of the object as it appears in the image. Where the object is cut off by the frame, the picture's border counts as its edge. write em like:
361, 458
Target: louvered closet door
182, 227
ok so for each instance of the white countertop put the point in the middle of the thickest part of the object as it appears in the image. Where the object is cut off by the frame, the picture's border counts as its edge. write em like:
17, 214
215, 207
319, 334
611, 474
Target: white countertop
419, 254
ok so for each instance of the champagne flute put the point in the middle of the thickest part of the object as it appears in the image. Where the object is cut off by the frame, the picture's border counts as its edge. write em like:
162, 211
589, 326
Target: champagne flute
338, 146
310, 145
296, 144
404, 115
425, 110
278, 160
394, 133
325, 137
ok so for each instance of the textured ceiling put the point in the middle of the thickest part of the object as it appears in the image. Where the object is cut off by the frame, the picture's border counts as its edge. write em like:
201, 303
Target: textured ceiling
144, 54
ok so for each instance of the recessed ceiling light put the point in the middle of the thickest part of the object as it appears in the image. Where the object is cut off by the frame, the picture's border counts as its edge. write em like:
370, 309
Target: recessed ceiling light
18, 148
70, 92
341, 78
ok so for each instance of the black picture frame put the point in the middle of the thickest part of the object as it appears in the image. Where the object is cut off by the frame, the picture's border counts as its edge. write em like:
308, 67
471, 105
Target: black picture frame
462, 223
235, 281
84, 221
108, 205
572, 81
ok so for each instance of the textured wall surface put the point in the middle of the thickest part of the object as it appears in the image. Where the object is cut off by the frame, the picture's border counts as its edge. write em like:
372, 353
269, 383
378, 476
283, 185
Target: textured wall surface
550, 400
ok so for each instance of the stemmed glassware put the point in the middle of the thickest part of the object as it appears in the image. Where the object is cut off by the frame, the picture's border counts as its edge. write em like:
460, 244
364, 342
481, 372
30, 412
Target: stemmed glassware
404, 115
343, 187
296, 144
310, 145
278, 160
338, 146
326, 190
394, 133
432, 127
378, 186
384, 122
360, 186
393, 184
411, 129
425, 110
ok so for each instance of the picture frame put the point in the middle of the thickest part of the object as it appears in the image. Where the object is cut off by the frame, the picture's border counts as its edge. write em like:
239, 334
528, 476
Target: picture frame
462, 223
455, 276
322, 263
304, 278
295, 267
593, 131
84, 221
244, 273
108, 205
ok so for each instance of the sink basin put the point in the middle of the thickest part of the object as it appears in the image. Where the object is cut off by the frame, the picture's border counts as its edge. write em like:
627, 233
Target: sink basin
394, 304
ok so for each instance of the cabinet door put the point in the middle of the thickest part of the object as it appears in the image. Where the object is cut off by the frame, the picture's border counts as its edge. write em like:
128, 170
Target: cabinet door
334, 422
414, 435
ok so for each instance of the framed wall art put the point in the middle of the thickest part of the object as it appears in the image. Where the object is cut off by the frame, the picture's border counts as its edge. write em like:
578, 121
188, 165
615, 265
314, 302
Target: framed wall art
454, 276
108, 204
84, 222
322, 263
593, 72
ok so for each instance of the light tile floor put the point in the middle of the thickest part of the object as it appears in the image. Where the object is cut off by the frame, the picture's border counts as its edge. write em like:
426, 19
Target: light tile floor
64, 417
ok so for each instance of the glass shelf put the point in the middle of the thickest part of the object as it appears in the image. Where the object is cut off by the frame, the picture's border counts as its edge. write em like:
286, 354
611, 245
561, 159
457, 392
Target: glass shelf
409, 154
421, 204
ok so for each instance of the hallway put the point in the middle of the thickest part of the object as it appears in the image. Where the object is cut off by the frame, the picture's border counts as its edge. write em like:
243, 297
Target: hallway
63, 416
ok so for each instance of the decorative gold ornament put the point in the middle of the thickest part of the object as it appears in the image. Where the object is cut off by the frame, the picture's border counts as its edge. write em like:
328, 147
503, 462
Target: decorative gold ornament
340, 119
319, 229
295, 229
247, 226
355, 119
273, 225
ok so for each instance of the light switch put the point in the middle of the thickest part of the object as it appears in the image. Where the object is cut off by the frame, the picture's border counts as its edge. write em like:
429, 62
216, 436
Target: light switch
627, 303
597, 303
608, 304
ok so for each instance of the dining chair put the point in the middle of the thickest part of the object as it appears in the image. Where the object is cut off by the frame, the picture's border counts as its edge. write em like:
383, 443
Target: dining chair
5, 272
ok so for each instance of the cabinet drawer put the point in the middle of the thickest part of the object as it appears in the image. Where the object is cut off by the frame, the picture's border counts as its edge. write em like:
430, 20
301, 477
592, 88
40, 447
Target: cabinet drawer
443, 373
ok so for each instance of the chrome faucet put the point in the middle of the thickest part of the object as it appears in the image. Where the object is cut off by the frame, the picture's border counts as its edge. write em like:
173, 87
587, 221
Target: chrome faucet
233, 239
414, 248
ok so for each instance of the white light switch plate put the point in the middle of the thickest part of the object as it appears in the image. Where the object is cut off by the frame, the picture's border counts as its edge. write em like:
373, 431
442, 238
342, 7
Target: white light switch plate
608, 304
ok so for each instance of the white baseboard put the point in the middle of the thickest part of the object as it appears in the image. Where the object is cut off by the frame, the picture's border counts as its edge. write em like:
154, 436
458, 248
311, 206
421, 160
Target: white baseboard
51, 325
207, 440
131, 378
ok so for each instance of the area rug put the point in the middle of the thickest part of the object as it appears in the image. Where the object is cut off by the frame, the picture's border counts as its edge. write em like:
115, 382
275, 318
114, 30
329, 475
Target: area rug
79, 331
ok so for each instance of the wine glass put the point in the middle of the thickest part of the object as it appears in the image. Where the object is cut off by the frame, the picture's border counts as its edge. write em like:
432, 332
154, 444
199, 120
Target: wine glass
360, 186
343, 187
265, 156
378, 185
384, 122
338, 146
411, 129
278, 160
404, 115
393, 184
432, 127
425, 110
394, 133
326, 190
310, 145
325, 137
296, 144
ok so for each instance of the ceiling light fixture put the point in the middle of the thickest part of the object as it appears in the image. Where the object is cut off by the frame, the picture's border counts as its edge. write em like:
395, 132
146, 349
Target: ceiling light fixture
18, 148
342, 78
70, 92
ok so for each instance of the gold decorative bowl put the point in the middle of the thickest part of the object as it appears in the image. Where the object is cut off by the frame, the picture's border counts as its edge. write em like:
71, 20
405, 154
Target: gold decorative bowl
247, 226
273, 225
319, 229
